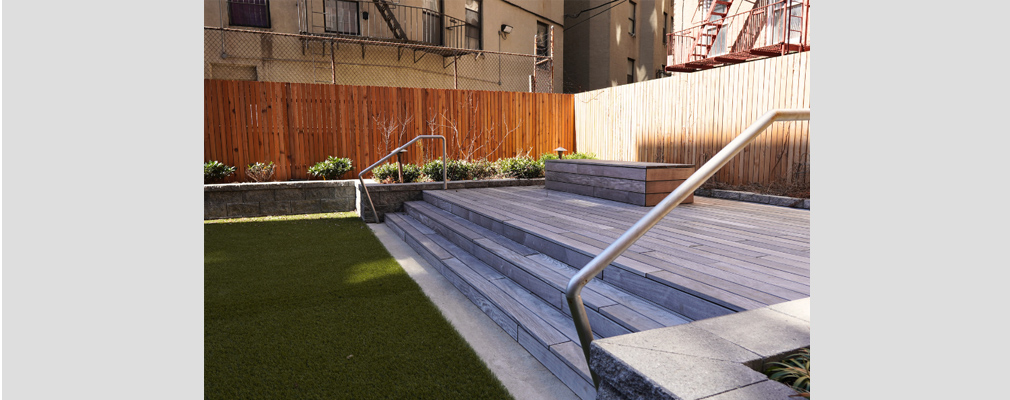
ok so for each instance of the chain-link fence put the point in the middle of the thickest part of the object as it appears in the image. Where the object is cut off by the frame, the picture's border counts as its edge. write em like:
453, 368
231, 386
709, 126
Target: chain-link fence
234, 54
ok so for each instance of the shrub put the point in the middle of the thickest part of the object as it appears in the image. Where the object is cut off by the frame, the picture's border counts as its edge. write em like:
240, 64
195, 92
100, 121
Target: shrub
545, 157
214, 171
386, 173
793, 371
332, 168
520, 167
261, 172
579, 156
433, 170
573, 156
459, 170
483, 169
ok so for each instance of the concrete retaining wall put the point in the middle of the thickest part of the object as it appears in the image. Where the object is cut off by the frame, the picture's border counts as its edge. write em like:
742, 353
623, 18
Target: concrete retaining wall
277, 198
291, 198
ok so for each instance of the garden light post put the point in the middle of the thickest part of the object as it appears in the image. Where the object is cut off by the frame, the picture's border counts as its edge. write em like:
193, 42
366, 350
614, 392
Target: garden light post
399, 166
560, 150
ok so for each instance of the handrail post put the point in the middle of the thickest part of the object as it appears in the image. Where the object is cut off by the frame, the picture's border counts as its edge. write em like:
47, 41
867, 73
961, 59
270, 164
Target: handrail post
445, 184
573, 293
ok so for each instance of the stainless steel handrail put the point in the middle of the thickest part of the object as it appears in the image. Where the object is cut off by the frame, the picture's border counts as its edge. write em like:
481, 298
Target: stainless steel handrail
445, 184
574, 291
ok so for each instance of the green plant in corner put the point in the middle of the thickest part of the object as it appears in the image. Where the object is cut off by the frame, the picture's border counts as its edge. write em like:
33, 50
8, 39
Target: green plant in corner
260, 172
214, 171
521, 167
580, 156
332, 168
793, 371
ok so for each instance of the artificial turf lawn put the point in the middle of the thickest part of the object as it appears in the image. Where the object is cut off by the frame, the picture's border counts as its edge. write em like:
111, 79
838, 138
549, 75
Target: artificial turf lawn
314, 307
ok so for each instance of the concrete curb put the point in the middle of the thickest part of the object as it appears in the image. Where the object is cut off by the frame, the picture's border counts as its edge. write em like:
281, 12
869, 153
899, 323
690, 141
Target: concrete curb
716, 358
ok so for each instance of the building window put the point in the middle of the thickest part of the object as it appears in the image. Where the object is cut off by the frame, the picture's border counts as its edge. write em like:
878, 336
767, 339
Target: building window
431, 22
632, 18
473, 19
631, 70
542, 39
341, 17
664, 28
254, 13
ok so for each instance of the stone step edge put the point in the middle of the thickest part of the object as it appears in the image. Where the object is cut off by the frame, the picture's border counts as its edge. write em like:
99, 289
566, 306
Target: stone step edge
568, 365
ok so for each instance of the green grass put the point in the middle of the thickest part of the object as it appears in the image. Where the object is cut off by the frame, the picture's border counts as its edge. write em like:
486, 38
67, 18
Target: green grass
314, 307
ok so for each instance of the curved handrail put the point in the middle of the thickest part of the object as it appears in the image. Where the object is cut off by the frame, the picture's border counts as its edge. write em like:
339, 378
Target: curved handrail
574, 291
445, 184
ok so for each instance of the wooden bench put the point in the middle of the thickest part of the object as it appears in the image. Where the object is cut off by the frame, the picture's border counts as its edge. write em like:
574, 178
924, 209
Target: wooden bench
639, 183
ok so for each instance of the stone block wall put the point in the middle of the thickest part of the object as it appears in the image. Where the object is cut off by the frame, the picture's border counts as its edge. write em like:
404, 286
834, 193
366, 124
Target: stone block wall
277, 198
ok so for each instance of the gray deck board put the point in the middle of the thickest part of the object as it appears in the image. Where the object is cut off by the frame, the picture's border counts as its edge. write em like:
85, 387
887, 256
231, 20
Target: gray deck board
717, 228
758, 254
545, 279
745, 277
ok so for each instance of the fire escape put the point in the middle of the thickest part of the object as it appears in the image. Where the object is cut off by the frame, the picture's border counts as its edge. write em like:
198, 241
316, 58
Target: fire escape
767, 30
438, 33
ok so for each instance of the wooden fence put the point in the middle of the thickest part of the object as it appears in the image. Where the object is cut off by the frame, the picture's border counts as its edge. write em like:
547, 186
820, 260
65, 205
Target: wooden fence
296, 125
687, 118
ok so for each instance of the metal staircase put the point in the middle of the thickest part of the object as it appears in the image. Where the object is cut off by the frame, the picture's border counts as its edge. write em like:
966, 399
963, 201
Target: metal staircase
387, 14
714, 18
769, 28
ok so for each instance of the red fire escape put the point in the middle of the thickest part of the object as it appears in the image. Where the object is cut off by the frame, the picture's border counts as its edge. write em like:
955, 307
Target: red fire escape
766, 30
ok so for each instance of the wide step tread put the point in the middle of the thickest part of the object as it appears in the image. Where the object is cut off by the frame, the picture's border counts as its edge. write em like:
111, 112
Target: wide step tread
694, 300
548, 278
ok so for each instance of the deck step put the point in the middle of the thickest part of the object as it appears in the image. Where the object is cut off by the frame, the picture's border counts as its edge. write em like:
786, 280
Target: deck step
514, 262
536, 325
612, 311
673, 286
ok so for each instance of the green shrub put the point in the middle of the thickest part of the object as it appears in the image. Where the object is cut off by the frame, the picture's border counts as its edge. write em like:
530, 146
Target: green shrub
261, 172
793, 371
433, 170
214, 171
548, 156
520, 167
573, 156
483, 169
332, 168
386, 173
579, 156
459, 170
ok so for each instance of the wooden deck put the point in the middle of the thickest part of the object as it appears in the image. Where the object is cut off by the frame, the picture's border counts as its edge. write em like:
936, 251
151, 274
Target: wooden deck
740, 255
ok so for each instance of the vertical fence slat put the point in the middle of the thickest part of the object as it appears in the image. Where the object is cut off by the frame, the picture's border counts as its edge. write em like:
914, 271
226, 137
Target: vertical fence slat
699, 113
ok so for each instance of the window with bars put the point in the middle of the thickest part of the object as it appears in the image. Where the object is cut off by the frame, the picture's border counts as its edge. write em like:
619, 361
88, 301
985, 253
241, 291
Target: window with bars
341, 17
473, 24
432, 22
542, 39
255, 13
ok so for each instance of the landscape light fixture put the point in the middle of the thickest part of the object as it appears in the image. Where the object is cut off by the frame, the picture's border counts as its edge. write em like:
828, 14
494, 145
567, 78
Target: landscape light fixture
560, 150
